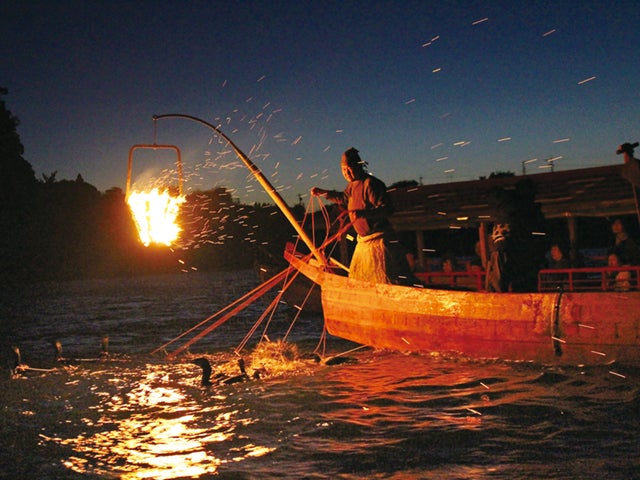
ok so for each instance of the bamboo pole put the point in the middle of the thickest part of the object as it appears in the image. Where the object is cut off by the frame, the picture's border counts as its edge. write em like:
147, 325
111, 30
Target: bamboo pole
257, 173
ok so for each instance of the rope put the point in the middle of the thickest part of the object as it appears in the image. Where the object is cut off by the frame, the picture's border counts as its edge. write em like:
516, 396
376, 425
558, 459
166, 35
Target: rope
297, 315
355, 349
270, 308
322, 342
244, 301
241, 303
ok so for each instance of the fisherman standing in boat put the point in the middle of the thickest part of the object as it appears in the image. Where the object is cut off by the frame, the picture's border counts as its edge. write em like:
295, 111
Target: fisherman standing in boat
517, 239
377, 256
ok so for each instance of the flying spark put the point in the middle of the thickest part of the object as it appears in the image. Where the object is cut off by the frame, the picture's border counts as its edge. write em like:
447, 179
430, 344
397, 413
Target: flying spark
582, 82
430, 42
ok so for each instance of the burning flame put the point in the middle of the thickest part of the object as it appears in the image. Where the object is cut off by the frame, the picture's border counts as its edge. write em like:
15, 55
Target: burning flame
155, 215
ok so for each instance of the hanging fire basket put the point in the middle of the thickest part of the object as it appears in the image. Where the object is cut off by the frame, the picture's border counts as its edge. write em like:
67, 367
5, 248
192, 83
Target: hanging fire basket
154, 147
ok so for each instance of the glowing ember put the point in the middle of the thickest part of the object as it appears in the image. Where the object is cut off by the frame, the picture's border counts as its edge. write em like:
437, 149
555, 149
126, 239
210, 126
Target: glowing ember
155, 215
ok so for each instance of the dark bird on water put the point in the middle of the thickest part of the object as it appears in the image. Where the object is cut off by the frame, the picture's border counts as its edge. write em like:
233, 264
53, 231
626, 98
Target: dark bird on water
204, 364
238, 378
220, 378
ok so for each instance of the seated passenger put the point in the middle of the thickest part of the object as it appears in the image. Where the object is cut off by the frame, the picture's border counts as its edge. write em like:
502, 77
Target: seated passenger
476, 264
556, 260
557, 257
619, 281
623, 245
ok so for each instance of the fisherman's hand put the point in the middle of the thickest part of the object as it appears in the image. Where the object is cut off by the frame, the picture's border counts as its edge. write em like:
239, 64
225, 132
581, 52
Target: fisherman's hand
318, 192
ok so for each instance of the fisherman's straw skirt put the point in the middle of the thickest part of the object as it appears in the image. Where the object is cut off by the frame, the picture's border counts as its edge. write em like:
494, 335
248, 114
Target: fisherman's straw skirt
371, 259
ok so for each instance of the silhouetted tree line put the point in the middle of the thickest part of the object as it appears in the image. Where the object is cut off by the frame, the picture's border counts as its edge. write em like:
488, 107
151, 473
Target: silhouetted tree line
66, 229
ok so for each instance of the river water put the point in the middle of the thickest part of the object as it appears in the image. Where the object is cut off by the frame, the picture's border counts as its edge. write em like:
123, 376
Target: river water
131, 414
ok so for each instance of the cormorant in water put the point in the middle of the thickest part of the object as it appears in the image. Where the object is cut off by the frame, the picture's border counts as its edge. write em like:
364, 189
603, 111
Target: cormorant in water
204, 364
221, 378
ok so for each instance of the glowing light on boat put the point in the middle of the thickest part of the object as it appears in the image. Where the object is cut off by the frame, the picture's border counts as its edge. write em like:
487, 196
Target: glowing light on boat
155, 214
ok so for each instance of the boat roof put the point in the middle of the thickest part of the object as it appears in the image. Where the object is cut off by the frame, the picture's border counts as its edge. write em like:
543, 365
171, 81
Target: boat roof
585, 192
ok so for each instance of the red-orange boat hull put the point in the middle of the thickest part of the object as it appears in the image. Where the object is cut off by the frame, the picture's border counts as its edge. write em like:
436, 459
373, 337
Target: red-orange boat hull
589, 328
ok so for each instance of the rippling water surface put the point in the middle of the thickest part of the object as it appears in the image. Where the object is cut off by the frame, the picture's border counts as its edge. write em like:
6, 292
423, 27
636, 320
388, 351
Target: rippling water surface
375, 415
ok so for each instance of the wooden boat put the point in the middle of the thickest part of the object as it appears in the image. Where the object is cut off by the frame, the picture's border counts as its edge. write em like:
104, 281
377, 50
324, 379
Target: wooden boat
590, 328
585, 324
561, 327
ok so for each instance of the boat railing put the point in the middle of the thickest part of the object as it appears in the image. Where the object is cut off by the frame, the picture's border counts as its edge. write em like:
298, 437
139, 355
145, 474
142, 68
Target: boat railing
468, 280
625, 278
592, 278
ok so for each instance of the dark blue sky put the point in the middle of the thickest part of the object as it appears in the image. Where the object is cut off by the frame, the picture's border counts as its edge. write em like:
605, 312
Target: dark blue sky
437, 90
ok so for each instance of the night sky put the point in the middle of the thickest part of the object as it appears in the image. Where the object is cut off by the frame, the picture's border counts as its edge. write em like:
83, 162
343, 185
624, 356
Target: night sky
435, 91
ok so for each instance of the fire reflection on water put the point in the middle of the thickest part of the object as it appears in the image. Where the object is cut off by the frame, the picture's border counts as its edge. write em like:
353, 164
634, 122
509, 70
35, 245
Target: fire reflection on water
157, 430
385, 415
